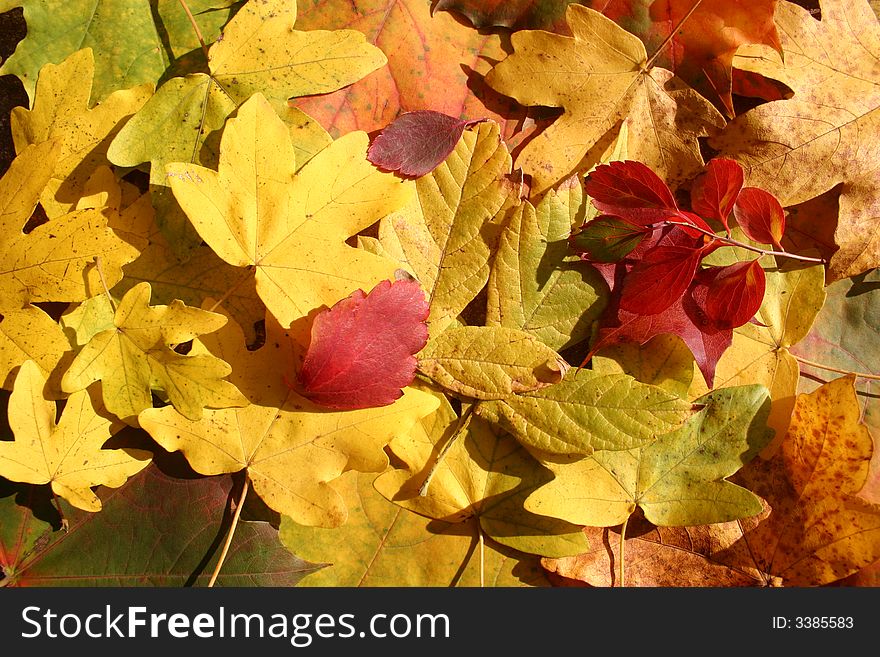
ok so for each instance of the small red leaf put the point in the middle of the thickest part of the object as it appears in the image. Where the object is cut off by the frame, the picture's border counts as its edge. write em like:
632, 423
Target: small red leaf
362, 349
760, 215
632, 191
714, 192
731, 295
415, 143
659, 279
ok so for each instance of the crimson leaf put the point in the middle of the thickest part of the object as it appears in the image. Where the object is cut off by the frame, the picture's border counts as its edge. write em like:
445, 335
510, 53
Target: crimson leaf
632, 191
714, 192
415, 143
659, 279
362, 349
731, 295
760, 215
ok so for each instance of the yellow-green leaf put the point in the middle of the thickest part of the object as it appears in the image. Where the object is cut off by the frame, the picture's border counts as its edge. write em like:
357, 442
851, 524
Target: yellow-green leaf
534, 286
490, 362
588, 411
678, 480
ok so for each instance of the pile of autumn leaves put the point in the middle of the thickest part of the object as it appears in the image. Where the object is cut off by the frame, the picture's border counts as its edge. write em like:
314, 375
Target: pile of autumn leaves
418, 334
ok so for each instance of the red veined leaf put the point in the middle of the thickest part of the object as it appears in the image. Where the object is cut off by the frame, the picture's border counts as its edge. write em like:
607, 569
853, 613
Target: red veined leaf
731, 295
659, 279
706, 340
714, 192
415, 143
632, 191
362, 349
760, 215
607, 239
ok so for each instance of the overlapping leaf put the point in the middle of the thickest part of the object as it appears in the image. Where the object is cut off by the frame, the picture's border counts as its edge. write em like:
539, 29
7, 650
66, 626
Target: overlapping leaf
260, 51
290, 226
137, 355
588, 411
61, 111
598, 77
829, 127
290, 448
680, 479
484, 475
134, 42
434, 62
57, 260
446, 234
383, 544
139, 539
68, 454
490, 362
817, 530
532, 287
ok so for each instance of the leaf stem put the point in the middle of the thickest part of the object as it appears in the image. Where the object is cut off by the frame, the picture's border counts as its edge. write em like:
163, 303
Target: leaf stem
463, 423
65, 525
244, 490
104, 283
195, 25
860, 375
671, 36
732, 242
620, 560
482, 555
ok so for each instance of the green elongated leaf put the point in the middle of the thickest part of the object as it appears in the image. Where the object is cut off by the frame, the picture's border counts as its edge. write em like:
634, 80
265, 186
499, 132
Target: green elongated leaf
607, 239
678, 480
155, 530
485, 475
532, 287
134, 41
383, 544
588, 411
486, 362
445, 235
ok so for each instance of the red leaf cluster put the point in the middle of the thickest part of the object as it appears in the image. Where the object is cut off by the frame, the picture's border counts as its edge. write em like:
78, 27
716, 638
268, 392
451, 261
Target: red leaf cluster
658, 281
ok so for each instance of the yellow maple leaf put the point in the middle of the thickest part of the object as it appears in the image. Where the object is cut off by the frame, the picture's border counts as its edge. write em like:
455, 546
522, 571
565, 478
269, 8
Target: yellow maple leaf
290, 226
68, 454
827, 133
137, 356
599, 76
57, 260
291, 449
815, 529
61, 111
